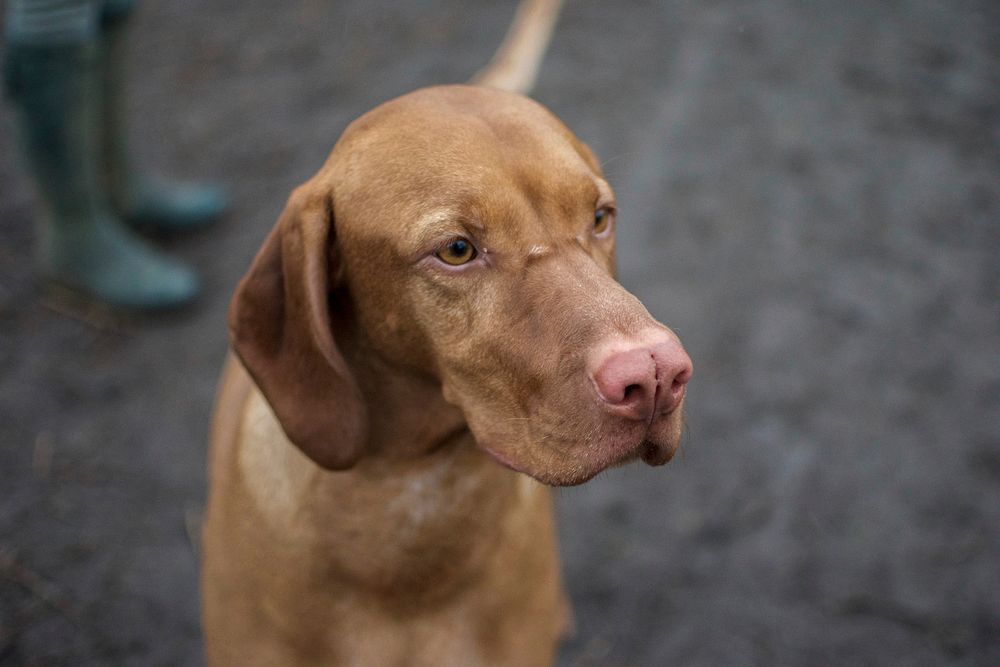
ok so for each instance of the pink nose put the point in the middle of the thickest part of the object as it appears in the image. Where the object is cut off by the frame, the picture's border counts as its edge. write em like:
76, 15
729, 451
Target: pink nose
642, 379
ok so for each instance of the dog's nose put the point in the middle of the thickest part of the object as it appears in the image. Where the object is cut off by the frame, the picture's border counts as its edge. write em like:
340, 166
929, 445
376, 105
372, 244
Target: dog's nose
642, 379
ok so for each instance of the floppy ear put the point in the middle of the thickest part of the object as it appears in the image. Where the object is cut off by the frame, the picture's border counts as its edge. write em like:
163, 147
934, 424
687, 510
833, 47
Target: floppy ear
280, 327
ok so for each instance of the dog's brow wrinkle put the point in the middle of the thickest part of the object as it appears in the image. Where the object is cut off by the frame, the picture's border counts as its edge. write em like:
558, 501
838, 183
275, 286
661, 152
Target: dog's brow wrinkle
440, 222
538, 250
436, 218
603, 189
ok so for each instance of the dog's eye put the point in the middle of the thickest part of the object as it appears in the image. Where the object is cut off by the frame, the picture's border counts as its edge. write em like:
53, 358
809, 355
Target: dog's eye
602, 220
458, 252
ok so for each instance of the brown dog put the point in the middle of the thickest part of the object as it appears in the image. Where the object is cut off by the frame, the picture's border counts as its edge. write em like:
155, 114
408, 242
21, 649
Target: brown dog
431, 327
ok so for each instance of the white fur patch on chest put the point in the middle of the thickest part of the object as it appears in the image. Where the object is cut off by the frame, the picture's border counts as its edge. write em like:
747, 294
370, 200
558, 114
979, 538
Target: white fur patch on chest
527, 488
272, 467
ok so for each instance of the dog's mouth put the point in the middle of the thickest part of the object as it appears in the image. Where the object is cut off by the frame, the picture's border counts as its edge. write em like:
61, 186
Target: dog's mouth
502, 459
656, 448
657, 454
575, 462
663, 437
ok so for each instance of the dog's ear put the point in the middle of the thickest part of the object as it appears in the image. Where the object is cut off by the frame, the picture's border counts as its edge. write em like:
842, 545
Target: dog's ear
280, 327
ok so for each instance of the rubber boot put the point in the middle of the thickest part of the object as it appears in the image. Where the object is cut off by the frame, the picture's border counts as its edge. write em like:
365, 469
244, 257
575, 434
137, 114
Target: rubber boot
83, 245
146, 203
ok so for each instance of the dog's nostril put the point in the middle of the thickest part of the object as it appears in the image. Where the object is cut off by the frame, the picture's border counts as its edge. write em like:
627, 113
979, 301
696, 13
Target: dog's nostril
675, 392
633, 393
644, 380
626, 382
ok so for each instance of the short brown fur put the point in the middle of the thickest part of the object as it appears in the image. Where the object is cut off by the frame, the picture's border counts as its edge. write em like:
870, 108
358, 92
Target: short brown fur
357, 514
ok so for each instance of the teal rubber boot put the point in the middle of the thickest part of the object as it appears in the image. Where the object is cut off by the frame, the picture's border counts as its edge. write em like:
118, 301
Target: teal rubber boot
82, 244
146, 203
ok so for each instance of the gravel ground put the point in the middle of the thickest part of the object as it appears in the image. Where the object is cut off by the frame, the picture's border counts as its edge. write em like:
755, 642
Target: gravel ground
810, 195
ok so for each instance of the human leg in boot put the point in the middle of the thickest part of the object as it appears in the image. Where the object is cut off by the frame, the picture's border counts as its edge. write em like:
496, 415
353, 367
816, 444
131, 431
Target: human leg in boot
145, 202
51, 79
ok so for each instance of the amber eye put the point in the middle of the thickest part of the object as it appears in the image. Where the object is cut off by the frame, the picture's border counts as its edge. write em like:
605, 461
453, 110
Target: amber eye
458, 252
602, 220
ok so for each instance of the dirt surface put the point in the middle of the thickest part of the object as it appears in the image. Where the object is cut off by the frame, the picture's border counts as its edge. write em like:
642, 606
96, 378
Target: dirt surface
810, 195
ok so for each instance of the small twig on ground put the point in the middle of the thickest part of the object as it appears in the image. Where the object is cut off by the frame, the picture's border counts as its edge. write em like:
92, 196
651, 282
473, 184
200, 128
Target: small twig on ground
41, 459
37, 586
952, 634
94, 315
192, 526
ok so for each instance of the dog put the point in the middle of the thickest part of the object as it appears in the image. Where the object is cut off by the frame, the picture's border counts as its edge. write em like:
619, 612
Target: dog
429, 338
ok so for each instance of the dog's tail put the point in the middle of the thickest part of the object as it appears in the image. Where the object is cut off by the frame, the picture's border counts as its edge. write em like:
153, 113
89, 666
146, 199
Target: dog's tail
515, 64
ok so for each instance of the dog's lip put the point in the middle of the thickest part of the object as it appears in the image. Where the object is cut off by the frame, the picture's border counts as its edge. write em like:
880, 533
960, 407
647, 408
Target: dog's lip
656, 454
625, 442
658, 451
500, 458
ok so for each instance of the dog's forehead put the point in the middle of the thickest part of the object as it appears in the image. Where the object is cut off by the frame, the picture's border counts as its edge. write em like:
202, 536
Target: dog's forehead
456, 134
457, 111
463, 149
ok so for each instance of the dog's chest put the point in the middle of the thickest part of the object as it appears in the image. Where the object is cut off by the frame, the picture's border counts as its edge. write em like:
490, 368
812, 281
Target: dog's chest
422, 525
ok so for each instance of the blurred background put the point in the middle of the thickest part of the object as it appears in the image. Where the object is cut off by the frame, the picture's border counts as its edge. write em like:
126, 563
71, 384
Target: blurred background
809, 195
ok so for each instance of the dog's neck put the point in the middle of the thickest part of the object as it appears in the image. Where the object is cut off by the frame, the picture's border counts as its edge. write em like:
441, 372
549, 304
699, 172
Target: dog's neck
398, 523
424, 470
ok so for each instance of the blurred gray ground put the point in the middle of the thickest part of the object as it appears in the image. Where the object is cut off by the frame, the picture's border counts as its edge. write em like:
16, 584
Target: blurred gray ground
810, 195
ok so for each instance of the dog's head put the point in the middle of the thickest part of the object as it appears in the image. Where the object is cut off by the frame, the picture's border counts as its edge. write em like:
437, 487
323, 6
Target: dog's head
467, 235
